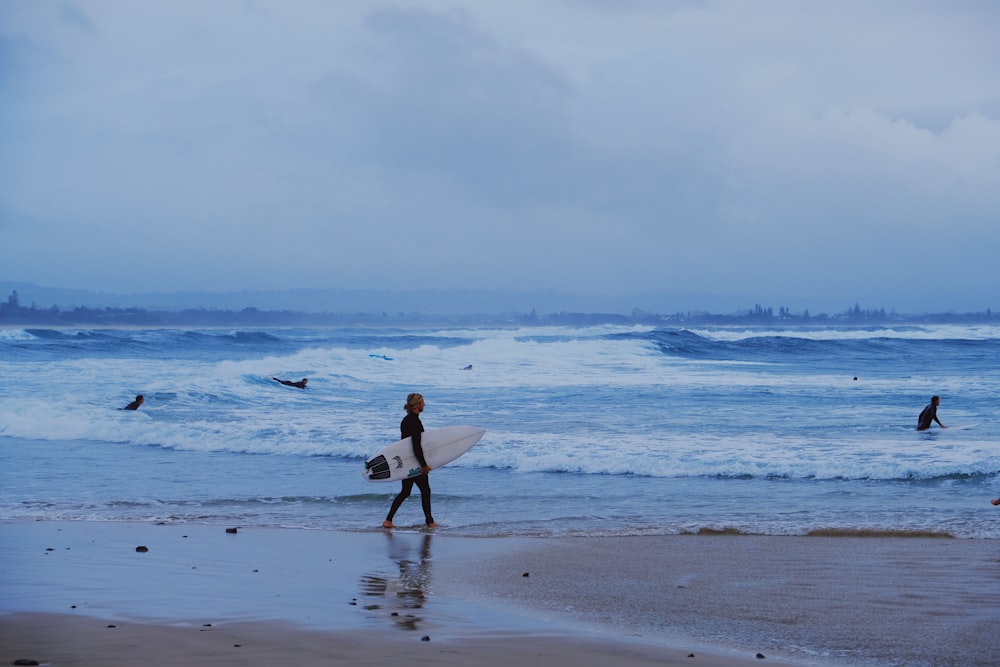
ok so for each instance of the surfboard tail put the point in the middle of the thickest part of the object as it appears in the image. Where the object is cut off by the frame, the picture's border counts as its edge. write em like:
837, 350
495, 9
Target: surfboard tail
377, 468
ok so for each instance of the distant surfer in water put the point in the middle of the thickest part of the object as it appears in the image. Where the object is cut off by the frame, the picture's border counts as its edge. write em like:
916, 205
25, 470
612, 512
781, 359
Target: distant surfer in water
134, 405
929, 414
412, 427
301, 384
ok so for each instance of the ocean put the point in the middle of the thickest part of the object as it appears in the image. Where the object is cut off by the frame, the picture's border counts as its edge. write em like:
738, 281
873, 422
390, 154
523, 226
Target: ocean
590, 431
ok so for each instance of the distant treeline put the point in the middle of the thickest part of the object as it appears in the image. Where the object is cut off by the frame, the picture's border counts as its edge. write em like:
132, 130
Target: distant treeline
13, 313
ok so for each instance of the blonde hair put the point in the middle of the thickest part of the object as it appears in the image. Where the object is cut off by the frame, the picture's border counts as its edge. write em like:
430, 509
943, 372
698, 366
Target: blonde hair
412, 400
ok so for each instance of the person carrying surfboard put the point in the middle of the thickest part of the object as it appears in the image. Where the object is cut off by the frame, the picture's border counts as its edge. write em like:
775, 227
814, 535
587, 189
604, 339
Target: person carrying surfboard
411, 427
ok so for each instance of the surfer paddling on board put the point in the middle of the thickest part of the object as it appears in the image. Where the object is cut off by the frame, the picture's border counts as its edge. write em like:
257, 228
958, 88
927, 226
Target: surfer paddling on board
301, 384
134, 405
411, 427
929, 414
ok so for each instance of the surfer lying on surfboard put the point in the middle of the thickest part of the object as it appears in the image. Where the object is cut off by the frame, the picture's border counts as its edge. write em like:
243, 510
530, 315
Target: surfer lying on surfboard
134, 405
301, 384
411, 427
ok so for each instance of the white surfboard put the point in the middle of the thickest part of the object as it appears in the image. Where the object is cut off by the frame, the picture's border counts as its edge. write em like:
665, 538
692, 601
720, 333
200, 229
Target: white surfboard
441, 445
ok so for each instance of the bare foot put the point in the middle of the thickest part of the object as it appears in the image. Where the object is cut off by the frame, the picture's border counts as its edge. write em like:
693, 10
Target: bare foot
995, 501
434, 525
387, 524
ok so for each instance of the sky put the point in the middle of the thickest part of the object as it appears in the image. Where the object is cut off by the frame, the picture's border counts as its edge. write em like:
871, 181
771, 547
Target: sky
792, 152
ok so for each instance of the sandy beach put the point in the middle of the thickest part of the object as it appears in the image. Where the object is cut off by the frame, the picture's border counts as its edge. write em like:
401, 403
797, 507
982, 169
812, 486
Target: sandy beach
88, 593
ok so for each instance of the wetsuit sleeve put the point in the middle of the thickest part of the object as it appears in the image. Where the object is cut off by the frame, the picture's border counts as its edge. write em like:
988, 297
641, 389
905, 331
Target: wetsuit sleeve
413, 428
418, 449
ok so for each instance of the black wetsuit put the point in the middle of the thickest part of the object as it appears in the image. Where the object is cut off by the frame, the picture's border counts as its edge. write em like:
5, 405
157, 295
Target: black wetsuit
412, 427
927, 415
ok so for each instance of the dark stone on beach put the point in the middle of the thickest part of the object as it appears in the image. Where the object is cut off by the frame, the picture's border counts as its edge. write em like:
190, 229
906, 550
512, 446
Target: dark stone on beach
395, 613
690, 655
760, 656
112, 626
142, 550
425, 638
25, 661
49, 549
232, 531
525, 574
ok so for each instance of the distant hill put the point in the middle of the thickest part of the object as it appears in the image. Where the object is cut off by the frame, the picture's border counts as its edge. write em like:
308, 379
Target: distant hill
438, 302
492, 304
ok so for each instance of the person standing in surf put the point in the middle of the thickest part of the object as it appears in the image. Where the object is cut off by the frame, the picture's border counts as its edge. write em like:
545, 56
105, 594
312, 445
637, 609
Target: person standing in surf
412, 427
929, 414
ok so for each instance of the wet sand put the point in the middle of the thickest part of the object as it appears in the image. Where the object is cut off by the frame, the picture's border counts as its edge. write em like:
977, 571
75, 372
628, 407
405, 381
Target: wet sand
197, 593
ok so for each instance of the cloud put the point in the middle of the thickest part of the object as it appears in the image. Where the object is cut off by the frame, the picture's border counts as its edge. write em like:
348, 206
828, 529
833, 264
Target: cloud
716, 146
448, 102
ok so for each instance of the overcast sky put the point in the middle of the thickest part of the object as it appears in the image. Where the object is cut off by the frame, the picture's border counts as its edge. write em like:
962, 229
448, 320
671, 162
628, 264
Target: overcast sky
788, 150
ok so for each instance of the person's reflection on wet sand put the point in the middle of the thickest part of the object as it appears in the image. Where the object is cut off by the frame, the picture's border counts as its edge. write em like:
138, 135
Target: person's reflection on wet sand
408, 592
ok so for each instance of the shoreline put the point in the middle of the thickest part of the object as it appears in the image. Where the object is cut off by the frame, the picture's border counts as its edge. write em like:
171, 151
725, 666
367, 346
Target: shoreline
197, 591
